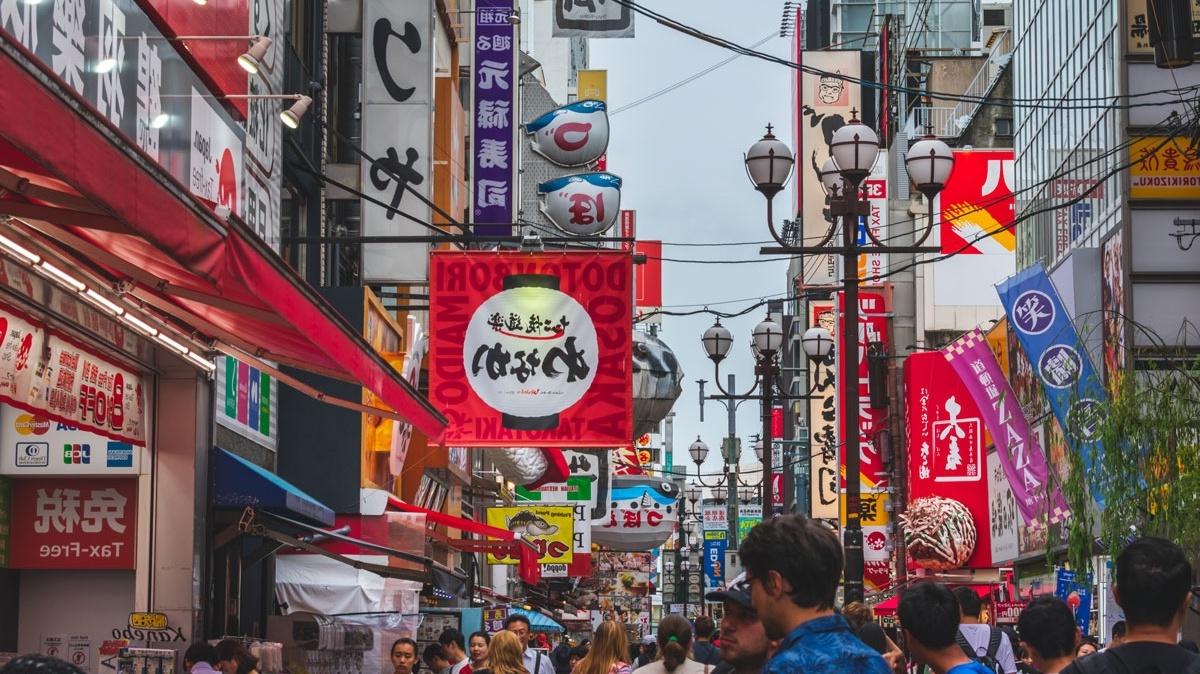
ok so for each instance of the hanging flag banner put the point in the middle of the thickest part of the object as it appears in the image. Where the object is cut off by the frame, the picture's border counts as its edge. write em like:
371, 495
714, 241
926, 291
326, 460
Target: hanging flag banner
1022, 457
977, 201
1076, 395
592, 19
715, 543
494, 89
532, 350
946, 443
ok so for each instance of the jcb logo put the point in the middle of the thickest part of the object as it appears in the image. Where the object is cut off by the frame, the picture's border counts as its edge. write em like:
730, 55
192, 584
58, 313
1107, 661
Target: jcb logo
77, 454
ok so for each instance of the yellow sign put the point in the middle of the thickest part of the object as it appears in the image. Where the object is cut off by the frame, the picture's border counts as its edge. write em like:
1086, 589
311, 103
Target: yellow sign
148, 621
872, 509
997, 339
1163, 168
593, 84
550, 529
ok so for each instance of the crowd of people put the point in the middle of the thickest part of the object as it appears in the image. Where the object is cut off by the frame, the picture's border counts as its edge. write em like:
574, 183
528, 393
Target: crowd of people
780, 617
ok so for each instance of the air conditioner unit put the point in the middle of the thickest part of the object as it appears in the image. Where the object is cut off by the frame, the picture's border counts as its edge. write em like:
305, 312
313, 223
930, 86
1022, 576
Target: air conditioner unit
996, 18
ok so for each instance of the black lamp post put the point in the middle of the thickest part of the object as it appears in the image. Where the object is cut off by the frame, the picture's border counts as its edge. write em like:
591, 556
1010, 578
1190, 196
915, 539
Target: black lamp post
853, 152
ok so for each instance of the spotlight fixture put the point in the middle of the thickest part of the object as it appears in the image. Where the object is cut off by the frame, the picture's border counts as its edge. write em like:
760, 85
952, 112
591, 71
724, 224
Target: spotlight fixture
252, 59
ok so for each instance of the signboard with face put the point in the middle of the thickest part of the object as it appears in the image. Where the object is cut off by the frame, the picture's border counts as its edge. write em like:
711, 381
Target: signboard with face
549, 528
532, 350
575, 134
582, 204
73, 523
643, 514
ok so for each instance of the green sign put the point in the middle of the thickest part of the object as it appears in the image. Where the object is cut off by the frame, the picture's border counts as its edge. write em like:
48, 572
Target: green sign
246, 400
748, 517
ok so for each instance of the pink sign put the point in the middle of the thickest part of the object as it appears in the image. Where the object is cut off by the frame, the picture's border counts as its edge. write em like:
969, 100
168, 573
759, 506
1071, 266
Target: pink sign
1020, 455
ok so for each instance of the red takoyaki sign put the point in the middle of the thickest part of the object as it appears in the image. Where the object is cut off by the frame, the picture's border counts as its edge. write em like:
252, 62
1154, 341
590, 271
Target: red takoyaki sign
532, 350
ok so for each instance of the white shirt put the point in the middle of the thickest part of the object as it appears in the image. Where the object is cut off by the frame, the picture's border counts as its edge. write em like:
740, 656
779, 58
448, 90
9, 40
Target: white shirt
531, 657
978, 635
689, 666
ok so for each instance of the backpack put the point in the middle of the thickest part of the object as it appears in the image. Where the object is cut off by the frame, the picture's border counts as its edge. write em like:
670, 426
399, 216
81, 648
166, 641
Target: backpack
988, 658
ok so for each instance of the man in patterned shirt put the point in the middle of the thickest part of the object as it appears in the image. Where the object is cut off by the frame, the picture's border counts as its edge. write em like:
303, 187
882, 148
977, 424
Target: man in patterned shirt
793, 566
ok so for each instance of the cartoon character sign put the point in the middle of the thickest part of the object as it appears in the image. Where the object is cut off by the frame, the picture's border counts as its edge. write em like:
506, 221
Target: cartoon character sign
583, 204
550, 529
642, 516
575, 134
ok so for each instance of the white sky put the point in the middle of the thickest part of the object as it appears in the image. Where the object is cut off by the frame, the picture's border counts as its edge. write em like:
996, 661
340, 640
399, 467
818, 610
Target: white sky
680, 156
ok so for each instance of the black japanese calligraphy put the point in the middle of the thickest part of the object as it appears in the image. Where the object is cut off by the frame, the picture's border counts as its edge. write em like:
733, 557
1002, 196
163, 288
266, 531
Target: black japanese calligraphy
381, 34
388, 168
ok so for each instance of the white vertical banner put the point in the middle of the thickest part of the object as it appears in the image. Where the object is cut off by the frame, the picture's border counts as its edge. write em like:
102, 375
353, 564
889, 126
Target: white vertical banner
397, 131
264, 130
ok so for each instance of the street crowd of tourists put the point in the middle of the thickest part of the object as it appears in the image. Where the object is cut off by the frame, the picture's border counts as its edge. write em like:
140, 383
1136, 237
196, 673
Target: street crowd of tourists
780, 617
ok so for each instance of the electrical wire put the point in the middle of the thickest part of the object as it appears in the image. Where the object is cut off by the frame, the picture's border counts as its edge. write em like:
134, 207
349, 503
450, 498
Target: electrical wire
982, 100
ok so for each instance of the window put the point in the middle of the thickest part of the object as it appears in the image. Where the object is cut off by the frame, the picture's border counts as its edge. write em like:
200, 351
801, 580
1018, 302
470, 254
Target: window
1004, 127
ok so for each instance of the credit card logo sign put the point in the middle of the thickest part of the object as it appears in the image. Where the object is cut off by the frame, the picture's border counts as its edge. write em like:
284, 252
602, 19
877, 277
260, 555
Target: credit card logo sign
75, 454
33, 454
120, 455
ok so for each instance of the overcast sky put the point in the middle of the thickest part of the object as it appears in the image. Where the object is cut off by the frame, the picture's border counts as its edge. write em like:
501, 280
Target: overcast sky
680, 156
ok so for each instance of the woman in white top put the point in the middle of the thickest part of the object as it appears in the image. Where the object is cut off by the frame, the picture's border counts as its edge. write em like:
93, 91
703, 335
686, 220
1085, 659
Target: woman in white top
674, 645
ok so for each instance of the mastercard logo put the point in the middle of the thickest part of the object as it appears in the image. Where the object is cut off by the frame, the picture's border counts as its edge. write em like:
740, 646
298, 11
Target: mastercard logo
28, 424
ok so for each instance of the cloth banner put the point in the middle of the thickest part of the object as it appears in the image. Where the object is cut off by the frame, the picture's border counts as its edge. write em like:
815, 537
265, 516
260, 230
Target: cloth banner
1061, 363
1020, 454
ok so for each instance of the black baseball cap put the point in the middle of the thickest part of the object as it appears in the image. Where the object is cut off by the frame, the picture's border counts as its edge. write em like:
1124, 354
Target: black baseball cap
737, 591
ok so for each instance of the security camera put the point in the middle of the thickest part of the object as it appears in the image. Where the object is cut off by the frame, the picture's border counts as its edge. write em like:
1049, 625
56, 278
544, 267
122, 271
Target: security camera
222, 212
531, 240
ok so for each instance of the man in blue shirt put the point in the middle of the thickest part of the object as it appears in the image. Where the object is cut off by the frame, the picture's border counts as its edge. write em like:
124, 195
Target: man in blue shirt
793, 566
928, 614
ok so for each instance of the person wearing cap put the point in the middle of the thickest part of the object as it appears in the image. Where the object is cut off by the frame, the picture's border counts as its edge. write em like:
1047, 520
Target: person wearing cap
744, 644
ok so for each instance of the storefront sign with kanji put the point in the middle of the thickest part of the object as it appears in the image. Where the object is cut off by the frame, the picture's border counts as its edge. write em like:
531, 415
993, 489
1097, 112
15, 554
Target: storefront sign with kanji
532, 350
73, 523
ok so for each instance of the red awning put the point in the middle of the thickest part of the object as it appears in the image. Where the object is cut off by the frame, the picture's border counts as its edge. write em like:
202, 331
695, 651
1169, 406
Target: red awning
504, 541
117, 213
888, 606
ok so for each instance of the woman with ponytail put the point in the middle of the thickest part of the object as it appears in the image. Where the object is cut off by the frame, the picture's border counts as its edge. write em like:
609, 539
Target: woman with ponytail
674, 647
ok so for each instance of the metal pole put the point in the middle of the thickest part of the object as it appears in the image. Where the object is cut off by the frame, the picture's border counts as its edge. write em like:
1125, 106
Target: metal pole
852, 536
731, 513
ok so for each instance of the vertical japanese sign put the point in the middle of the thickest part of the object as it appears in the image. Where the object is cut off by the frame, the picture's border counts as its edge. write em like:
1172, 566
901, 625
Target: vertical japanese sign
874, 189
715, 544
73, 523
648, 280
946, 443
1022, 457
1076, 395
81, 389
824, 107
397, 132
247, 401
494, 95
978, 200
264, 140
822, 416
1138, 25
1002, 512
532, 350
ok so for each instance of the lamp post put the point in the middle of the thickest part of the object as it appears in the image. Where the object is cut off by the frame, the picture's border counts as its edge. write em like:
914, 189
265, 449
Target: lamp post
766, 340
853, 151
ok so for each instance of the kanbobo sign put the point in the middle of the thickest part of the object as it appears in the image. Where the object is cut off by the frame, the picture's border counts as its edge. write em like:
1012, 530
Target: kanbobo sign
532, 350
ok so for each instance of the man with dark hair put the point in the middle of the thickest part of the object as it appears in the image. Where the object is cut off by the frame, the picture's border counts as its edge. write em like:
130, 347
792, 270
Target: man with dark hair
744, 644
980, 641
793, 566
435, 659
1118, 635
455, 646
929, 616
404, 656
1153, 586
703, 650
1048, 633
199, 658
535, 661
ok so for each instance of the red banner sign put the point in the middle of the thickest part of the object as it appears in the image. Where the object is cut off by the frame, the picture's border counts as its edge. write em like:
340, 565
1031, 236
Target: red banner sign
532, 350
872, 328
977, 205
73, 523
946, 445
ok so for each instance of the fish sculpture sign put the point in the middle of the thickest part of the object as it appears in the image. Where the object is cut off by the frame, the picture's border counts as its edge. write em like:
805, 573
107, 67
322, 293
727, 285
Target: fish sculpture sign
550, 529
575, 134
532, 350
644, 513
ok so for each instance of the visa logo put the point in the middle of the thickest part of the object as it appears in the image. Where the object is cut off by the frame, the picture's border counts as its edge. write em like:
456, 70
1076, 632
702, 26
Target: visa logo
77, 454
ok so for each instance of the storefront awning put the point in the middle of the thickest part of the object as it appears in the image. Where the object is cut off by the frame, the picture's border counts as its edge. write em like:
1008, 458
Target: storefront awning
537, 621
888, 606
73, 185
237, 483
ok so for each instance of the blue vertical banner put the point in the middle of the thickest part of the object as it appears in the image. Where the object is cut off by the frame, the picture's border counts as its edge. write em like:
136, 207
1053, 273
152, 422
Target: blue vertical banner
494, 119
714, 560
1060, 361
1077, 594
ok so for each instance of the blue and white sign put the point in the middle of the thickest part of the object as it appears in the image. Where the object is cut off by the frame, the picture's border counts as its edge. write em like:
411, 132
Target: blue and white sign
575, 134
1049, 339
583, 204
714, 560
1077, 594
36, 446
